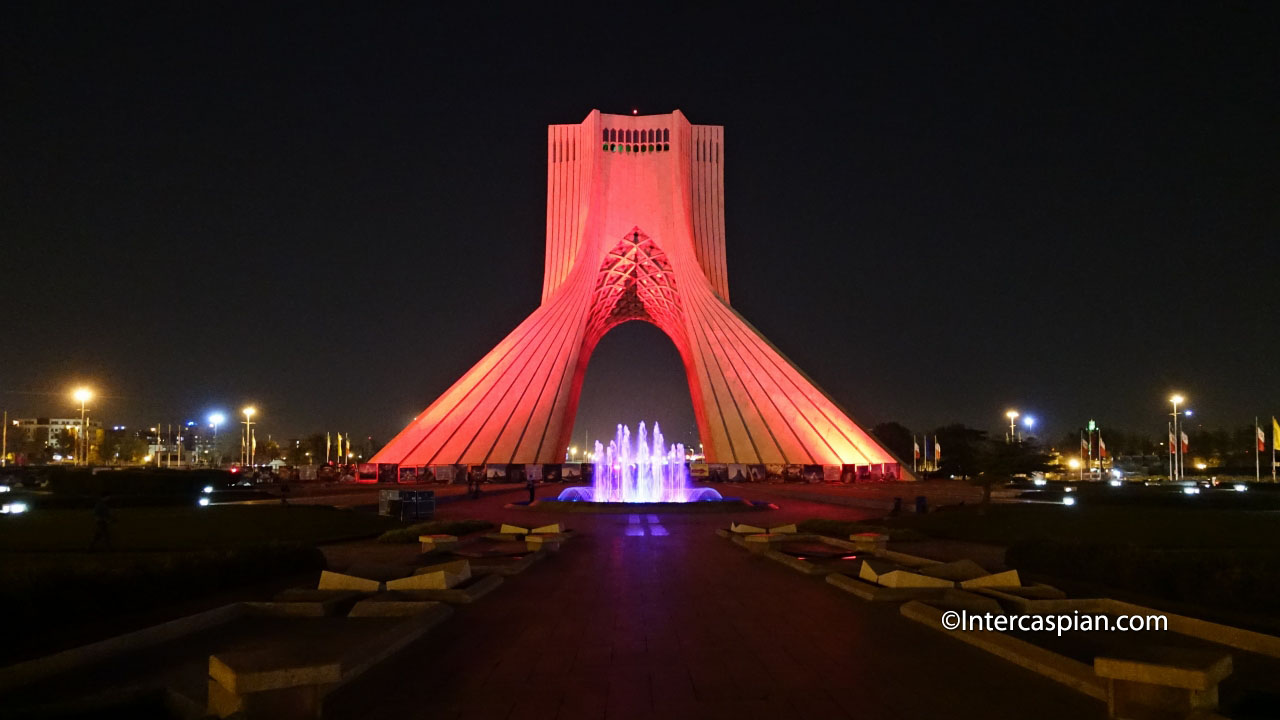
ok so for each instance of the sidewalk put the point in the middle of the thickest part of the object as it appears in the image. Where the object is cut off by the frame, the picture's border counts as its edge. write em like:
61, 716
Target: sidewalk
653, 616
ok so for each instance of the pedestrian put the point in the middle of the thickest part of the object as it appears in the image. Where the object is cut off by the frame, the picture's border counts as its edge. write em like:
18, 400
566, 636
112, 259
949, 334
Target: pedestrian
284, 493
102, 518
530, 485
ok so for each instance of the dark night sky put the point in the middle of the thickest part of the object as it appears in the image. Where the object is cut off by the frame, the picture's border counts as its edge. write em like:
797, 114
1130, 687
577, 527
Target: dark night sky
936, 213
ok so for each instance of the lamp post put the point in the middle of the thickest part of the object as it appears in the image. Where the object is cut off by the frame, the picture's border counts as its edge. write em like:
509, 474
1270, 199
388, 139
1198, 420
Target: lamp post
1013, 425
82, 395
216, 419
1177, 400
248, 436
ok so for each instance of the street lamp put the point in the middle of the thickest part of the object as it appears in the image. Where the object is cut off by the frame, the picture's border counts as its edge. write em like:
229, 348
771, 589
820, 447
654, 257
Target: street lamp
216, 419
1013, 424
82, 395
247, 454
1175, 459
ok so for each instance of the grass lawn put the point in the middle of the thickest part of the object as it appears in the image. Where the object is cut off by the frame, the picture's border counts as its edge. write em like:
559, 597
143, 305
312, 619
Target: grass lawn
189, 528
160, 555
435, 527
1222, 559
1156, 527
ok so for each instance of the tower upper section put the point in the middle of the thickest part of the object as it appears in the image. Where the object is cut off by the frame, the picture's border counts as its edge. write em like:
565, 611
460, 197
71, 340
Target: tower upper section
613, 172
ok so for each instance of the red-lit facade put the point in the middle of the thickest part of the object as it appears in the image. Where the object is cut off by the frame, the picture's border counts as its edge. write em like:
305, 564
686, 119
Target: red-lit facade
635, 231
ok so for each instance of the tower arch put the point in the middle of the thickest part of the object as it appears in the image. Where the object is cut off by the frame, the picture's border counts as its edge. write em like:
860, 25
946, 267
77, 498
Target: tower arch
634, 236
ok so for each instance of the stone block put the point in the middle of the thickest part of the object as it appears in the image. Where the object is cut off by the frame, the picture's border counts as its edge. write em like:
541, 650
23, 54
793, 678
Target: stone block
512, 530
889, 576
870, 570
1150, 681
294, 703
743, 529
544, 542
434, 577
466, 592
430, 543
905, 579
956, 571
1006, 579
556, 528
271, 668
340, 581
784, 530
869, 541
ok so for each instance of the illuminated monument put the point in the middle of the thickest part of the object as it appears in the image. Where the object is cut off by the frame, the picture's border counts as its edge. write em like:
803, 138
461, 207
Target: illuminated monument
635, 231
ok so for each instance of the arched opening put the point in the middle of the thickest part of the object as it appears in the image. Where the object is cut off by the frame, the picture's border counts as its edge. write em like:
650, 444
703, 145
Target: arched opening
634, 374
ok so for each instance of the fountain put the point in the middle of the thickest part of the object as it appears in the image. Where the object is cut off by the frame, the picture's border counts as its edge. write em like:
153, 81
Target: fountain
639, 473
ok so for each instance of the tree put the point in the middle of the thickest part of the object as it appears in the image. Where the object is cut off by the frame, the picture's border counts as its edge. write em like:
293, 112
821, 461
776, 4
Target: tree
28, 447
63, 440
999, 462
960, 449
896, 438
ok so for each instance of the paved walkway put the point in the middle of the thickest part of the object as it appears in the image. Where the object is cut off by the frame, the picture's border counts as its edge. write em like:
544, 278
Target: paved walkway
653, 616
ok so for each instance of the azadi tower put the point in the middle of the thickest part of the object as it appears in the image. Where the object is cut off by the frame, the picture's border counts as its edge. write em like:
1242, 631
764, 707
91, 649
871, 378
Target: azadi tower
635, 231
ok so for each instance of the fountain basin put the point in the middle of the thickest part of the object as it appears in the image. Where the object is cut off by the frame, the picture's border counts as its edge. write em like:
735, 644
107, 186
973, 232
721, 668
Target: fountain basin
588, 494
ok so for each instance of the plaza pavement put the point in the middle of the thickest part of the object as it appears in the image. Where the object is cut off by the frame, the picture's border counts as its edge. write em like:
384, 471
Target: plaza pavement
653, 616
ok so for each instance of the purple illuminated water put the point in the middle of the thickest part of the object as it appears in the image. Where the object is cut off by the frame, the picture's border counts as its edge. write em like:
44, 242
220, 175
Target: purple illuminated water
639, 472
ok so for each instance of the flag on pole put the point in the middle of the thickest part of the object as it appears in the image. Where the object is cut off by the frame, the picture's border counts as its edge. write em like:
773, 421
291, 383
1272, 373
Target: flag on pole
1262, 438
916, 443
1275, 432
1185, 443
1102, 447
937, 450
1085, 448
1173, 443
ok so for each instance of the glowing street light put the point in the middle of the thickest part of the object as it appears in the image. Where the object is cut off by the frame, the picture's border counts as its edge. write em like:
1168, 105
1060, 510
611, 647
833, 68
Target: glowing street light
1029, 422
247, 453
216, 419
82, 395
1013, 424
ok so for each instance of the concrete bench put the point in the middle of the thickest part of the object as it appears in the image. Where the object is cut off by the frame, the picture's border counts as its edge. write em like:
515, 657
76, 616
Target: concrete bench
1154, 681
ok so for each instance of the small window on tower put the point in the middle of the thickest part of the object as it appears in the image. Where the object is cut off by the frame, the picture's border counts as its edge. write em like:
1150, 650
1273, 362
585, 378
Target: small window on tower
666, 135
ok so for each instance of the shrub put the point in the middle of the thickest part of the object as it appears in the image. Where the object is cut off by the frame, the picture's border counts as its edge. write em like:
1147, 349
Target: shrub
434, 527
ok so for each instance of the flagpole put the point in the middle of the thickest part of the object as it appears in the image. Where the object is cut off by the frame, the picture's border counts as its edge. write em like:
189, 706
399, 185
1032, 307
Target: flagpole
1102, 449
1257, 451
1172, 440
1083, 459
1273, 448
